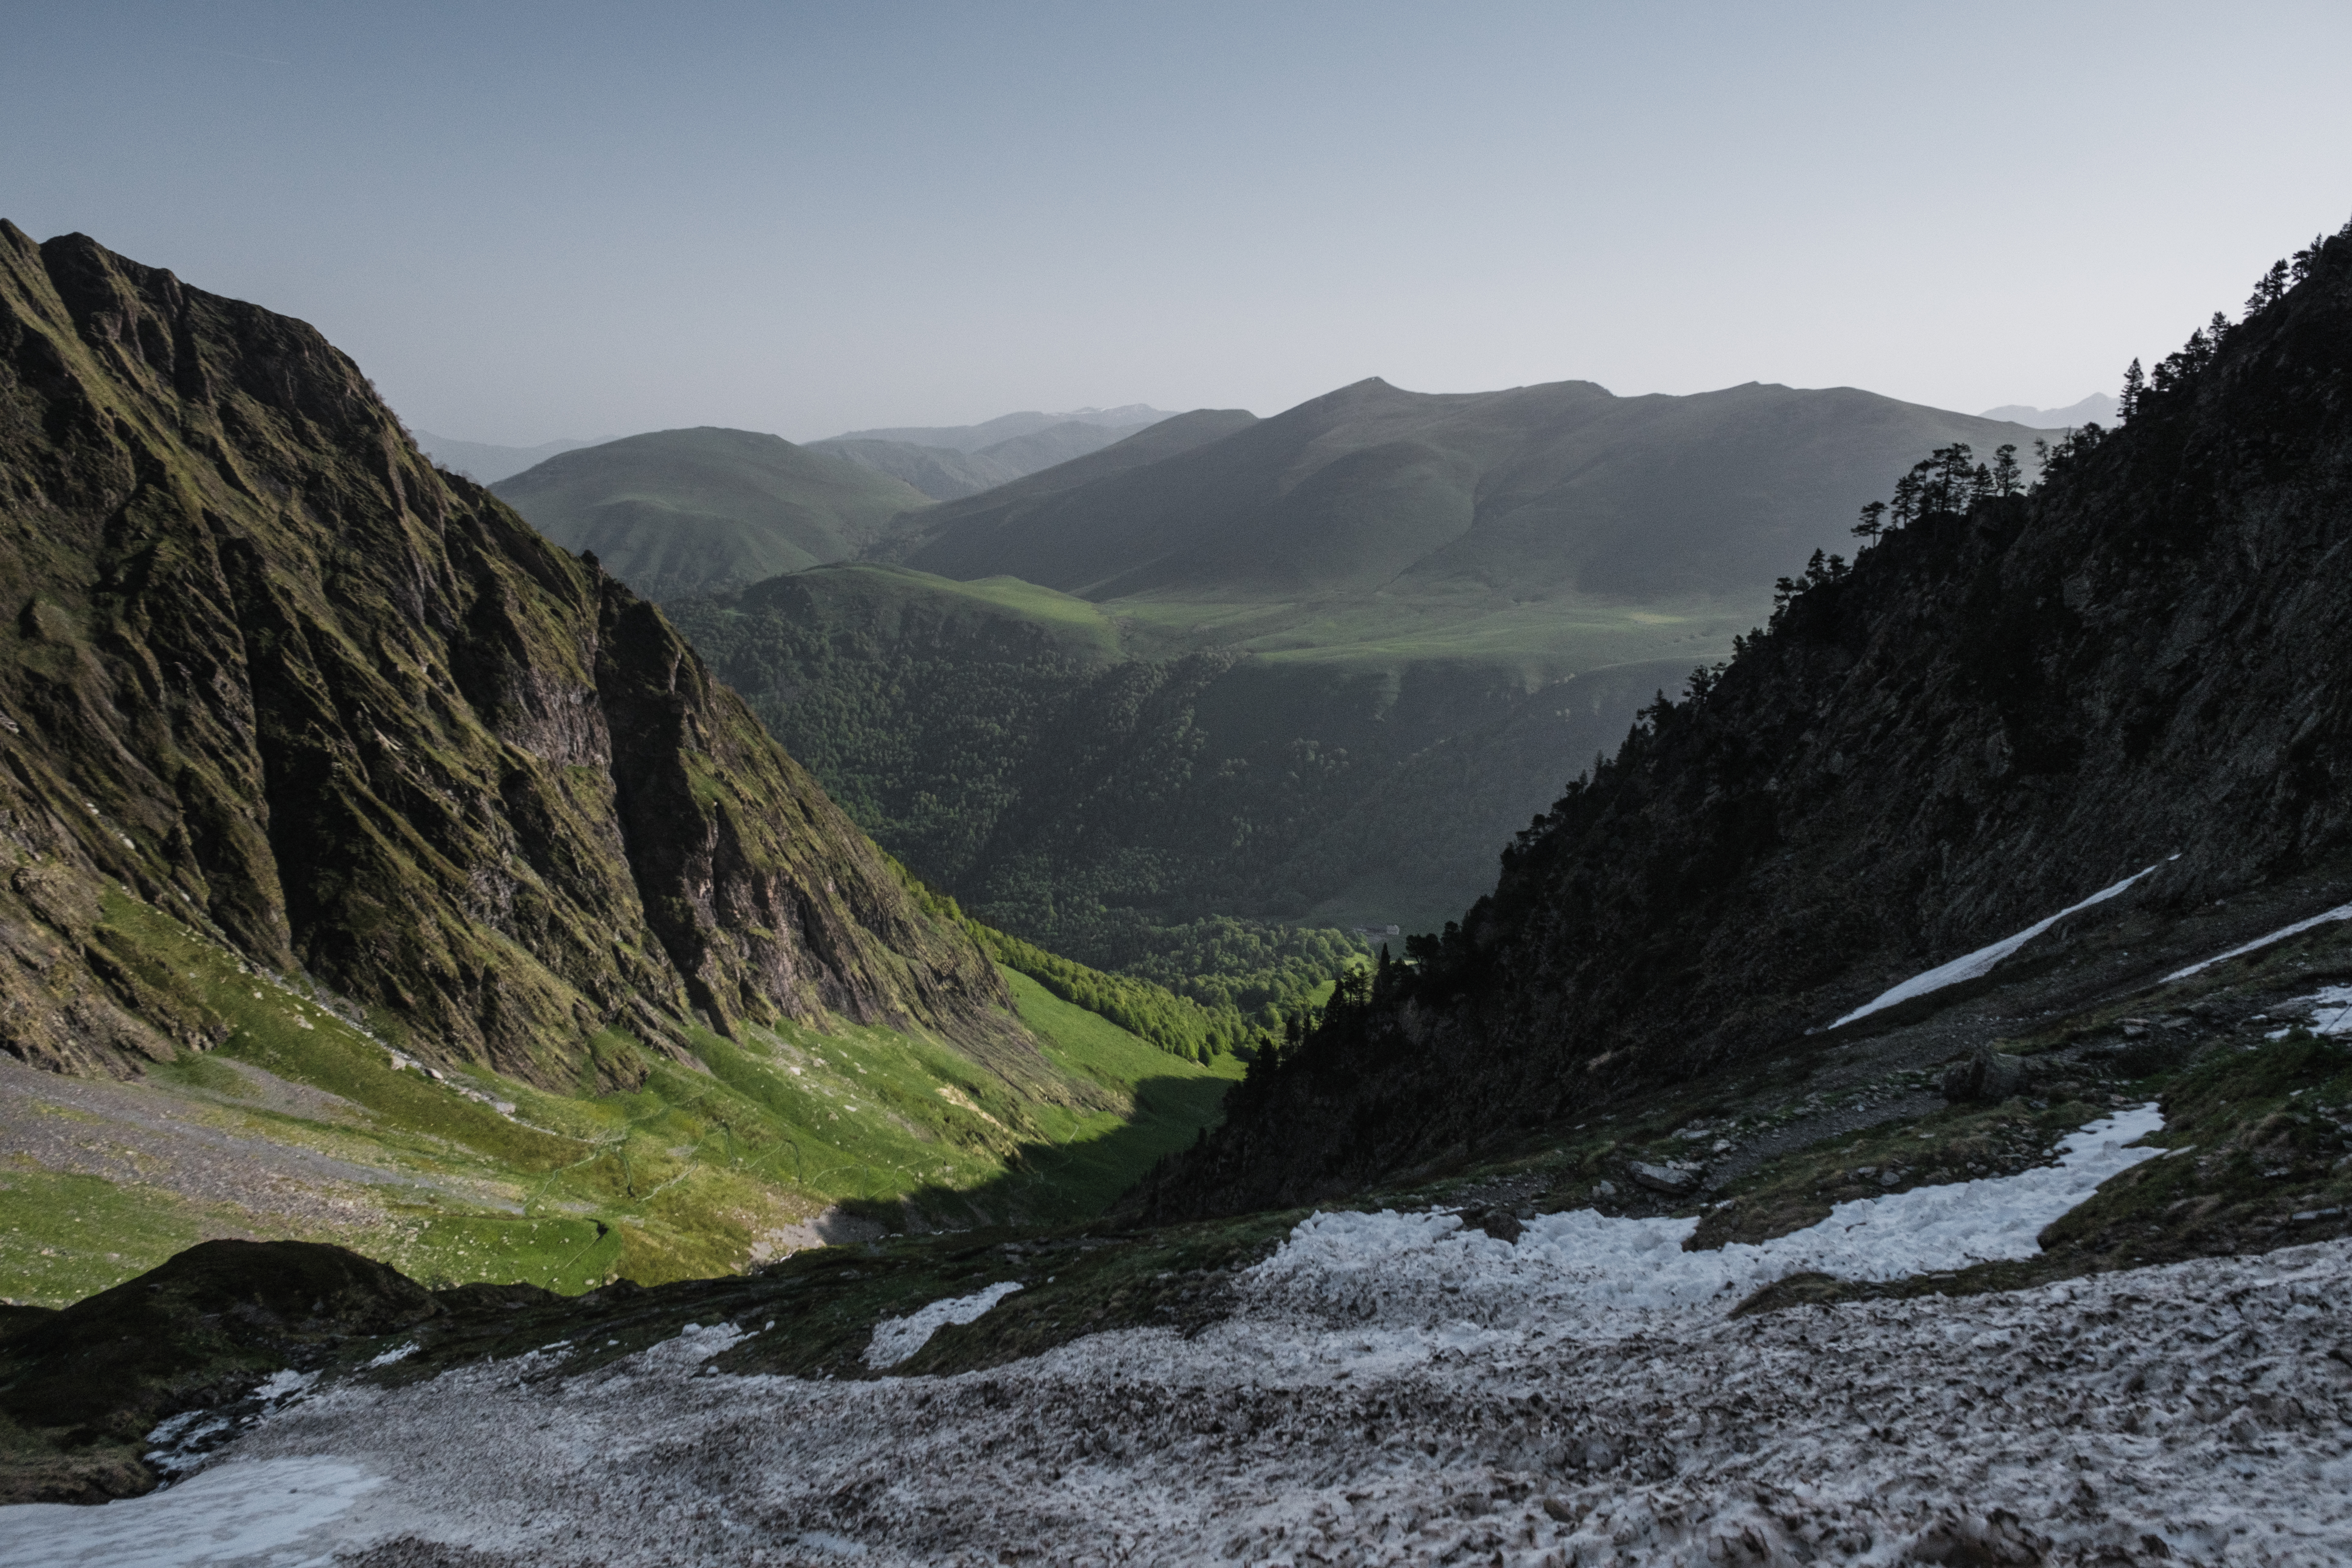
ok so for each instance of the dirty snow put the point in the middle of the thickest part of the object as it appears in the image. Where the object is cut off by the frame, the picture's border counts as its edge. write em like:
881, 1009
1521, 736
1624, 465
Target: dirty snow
1589, 1270
2327, 1011
896, 1339
1971, 965
1393, 1389
2341, 913
244, 1511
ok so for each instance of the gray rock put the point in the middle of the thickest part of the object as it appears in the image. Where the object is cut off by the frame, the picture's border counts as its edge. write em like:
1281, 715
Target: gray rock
1988, 1076
1672, 1181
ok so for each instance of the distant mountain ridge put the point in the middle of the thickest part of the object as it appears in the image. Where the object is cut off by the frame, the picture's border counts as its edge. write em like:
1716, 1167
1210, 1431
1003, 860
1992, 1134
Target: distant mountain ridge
708, 509
485, 463
951, 466
2097, 408
1523, 492
1008, 427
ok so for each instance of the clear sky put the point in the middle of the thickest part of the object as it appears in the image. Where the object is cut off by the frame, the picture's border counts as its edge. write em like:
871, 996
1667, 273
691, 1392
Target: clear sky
529, 221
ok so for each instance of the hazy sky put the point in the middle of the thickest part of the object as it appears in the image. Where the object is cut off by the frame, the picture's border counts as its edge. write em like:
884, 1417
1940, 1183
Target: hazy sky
530, 221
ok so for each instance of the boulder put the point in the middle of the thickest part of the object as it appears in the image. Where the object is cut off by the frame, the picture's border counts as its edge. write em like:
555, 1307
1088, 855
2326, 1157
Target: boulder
1985, 1077
1674, 1181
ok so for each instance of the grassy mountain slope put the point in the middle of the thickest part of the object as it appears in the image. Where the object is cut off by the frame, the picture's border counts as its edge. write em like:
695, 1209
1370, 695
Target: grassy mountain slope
302, 1125
1178, 433
1524, 493
422, 864
680, 511
1994, 714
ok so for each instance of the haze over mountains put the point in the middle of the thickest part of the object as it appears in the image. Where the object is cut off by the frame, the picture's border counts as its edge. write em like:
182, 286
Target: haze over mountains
485, 463
948, 462
2098, 409
1385, 596
1526, 493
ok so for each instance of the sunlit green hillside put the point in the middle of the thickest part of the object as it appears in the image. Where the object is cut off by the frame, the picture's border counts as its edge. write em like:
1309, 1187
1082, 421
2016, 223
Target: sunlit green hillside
304, 1124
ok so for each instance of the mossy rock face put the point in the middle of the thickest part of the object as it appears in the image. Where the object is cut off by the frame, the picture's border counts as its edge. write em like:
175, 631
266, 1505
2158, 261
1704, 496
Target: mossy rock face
269, 670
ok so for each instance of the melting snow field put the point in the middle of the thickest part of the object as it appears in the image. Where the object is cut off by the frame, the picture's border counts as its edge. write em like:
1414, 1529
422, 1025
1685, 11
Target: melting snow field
1393, 1389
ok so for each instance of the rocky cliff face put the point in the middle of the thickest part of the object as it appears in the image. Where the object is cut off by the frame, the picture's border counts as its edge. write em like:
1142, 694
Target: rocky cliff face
1995, 714
270, 670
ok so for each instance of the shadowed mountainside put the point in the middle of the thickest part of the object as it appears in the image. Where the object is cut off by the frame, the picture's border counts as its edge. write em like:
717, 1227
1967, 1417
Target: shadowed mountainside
271, 672
1997, 712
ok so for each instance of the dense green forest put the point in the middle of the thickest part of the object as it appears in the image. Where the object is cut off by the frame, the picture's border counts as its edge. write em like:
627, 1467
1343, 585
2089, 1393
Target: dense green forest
1194, 1002
1065, 795
1209, 821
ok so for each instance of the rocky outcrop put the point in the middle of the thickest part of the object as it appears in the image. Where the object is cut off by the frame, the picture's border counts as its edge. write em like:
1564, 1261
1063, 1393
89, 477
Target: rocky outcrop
267, 668
1996, 712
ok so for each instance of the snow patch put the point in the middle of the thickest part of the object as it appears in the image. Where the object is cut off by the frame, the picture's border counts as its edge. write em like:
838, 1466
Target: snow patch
2341, 913
2329, 1010
896, 1339
243, 1511
1971, 965
1584, 1272
694, 1345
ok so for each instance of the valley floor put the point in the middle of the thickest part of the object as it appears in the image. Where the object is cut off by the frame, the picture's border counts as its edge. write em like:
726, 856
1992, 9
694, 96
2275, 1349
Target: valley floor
1439, 1397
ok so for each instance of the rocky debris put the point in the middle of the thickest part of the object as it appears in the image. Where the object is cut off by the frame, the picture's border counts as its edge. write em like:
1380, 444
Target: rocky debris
1987, 1077
1672, 1181
2197, 1412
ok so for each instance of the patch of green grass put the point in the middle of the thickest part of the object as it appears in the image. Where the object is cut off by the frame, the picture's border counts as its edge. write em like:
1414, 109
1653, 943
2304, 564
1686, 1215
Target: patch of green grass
1562, 634
686, 1175
66, 1236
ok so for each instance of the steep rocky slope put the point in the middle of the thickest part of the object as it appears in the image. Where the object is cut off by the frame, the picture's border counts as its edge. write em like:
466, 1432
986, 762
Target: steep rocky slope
267, 669
1996, 713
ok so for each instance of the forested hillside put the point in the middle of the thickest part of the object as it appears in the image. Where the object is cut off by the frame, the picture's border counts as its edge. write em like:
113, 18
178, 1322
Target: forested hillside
1154, 816
2006, 704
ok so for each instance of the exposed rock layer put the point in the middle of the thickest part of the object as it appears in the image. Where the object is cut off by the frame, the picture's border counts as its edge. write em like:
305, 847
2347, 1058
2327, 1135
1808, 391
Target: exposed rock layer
268, 669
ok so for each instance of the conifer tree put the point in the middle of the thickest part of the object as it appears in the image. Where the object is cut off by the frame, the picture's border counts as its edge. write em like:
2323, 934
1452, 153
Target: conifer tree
2135, 383
2268, 288
2008, 478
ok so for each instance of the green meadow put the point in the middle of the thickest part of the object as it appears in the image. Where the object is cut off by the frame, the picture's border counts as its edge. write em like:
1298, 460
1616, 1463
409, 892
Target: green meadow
710, 1163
